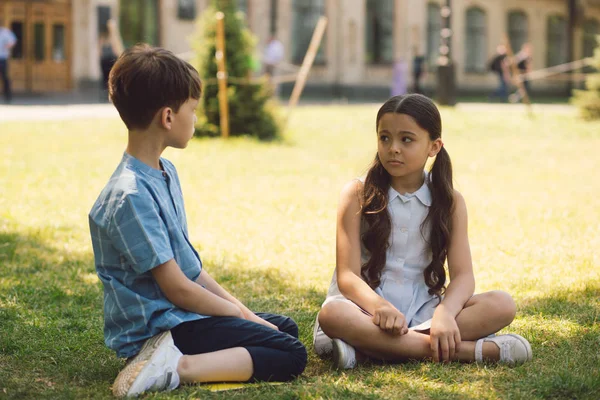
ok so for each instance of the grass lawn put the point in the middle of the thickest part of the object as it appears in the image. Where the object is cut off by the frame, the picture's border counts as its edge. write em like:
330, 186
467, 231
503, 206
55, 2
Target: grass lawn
262, 216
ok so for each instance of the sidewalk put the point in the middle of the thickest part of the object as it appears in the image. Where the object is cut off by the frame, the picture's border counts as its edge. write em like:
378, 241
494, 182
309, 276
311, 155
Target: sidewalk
56, 112
512, 108
91, 103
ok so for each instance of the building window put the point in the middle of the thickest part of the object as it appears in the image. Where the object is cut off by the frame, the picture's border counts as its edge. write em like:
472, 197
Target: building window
39, 34
17, 28
380, 31
557, 41
139, 22
305, 15
186, 9
476, 49
518, 30
434, 27
591, 29
58, 43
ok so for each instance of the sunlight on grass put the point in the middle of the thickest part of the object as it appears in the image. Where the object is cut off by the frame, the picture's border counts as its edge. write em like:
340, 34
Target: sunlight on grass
262, 216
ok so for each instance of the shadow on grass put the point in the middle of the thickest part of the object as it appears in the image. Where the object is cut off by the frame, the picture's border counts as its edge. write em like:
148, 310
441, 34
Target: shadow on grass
51, 342
563, 329
51, 319
580, 306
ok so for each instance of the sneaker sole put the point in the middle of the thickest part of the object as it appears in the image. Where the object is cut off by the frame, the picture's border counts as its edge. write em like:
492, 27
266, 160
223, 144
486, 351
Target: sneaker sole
338, 348
336, 354
525, 343
134, 368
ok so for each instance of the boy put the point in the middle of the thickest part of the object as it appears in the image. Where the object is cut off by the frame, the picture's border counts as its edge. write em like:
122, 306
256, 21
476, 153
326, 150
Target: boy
161, 308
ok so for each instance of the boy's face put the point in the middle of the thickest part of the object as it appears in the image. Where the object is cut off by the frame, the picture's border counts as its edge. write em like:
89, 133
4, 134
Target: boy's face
183, 124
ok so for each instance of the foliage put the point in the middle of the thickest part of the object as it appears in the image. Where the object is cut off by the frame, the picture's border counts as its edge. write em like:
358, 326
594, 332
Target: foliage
588, 100
251, 110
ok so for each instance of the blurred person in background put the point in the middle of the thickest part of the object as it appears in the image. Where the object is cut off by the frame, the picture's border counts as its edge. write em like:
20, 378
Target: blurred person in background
418, 70
273, 55
110, 48
499, 66
7, 42
524, 65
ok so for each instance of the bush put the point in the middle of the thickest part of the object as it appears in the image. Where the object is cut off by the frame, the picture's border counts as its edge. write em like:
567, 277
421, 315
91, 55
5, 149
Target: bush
588, 100
251, 110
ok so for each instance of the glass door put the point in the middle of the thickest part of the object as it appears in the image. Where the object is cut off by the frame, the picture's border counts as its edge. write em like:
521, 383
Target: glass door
14, 15
49, 47
40, 60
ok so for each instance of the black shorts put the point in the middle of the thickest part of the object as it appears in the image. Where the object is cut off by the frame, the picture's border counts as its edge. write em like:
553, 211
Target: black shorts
276, 355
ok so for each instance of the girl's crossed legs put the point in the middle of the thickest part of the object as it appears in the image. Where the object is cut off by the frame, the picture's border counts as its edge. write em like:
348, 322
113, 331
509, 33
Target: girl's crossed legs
482, 315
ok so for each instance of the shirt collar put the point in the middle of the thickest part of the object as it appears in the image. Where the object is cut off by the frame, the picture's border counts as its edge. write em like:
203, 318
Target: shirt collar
423, 194
141, 167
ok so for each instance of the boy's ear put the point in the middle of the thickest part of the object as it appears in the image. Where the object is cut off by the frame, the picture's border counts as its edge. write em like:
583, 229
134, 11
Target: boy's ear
436, 146
166, 117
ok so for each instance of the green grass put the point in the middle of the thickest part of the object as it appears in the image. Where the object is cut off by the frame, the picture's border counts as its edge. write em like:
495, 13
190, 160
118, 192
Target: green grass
263, 218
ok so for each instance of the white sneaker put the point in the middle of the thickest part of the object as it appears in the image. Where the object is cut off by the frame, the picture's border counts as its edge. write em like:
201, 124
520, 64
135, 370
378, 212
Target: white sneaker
344, 355
154, 368
322, 343
514, 349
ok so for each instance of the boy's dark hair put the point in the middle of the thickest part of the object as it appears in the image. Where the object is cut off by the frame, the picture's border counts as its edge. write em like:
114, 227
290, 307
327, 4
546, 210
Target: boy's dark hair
375, 199
145, 79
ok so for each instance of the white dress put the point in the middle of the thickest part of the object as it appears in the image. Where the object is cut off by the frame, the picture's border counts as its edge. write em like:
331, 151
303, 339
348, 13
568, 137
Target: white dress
402, 280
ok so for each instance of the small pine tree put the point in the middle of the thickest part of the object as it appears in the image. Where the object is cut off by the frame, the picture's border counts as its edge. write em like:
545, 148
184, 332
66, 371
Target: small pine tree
588, 100
251, 111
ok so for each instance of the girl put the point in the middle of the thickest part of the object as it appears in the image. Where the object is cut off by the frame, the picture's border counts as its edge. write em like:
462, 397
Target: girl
388, 298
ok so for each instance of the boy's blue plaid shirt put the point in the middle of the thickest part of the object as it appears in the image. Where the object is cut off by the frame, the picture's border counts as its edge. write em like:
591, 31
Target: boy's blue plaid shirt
137, 223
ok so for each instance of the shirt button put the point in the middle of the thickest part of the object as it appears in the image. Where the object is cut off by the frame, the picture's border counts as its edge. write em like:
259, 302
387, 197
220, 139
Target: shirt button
403, 230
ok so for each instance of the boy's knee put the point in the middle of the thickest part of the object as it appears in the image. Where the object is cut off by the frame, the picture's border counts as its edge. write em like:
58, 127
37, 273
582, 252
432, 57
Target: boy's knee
290, 363
300, 361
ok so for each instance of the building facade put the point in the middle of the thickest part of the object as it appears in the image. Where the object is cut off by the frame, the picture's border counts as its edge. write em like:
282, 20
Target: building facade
58, 39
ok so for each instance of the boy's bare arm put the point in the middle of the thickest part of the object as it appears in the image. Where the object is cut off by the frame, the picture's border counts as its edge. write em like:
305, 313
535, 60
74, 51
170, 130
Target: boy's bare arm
186, 294
209, 283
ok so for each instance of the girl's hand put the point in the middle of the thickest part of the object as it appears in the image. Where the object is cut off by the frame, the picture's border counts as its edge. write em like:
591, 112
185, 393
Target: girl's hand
255, 318
389, 319
444, 335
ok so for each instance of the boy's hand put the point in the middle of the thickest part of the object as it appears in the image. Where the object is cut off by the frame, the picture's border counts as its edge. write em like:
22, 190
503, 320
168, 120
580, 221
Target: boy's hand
255, 318
389, 319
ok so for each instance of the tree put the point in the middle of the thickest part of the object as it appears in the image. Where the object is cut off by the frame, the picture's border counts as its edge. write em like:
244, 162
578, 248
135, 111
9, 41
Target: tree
251, 111
588, 100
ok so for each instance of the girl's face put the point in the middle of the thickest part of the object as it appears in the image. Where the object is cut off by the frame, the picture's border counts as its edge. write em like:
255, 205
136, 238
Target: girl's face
403, 146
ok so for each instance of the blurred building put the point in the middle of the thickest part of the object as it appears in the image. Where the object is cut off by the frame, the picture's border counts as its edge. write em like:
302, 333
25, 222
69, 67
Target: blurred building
58, 39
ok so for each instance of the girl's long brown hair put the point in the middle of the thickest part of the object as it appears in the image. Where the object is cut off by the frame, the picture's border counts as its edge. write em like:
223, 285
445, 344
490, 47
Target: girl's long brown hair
374, 199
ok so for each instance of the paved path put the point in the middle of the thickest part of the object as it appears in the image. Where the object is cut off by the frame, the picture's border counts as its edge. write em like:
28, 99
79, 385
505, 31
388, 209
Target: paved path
106, 110
56, 112
511, 108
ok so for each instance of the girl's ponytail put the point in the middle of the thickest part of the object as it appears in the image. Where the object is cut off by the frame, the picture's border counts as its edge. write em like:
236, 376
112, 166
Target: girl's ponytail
439, 220
378, 224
